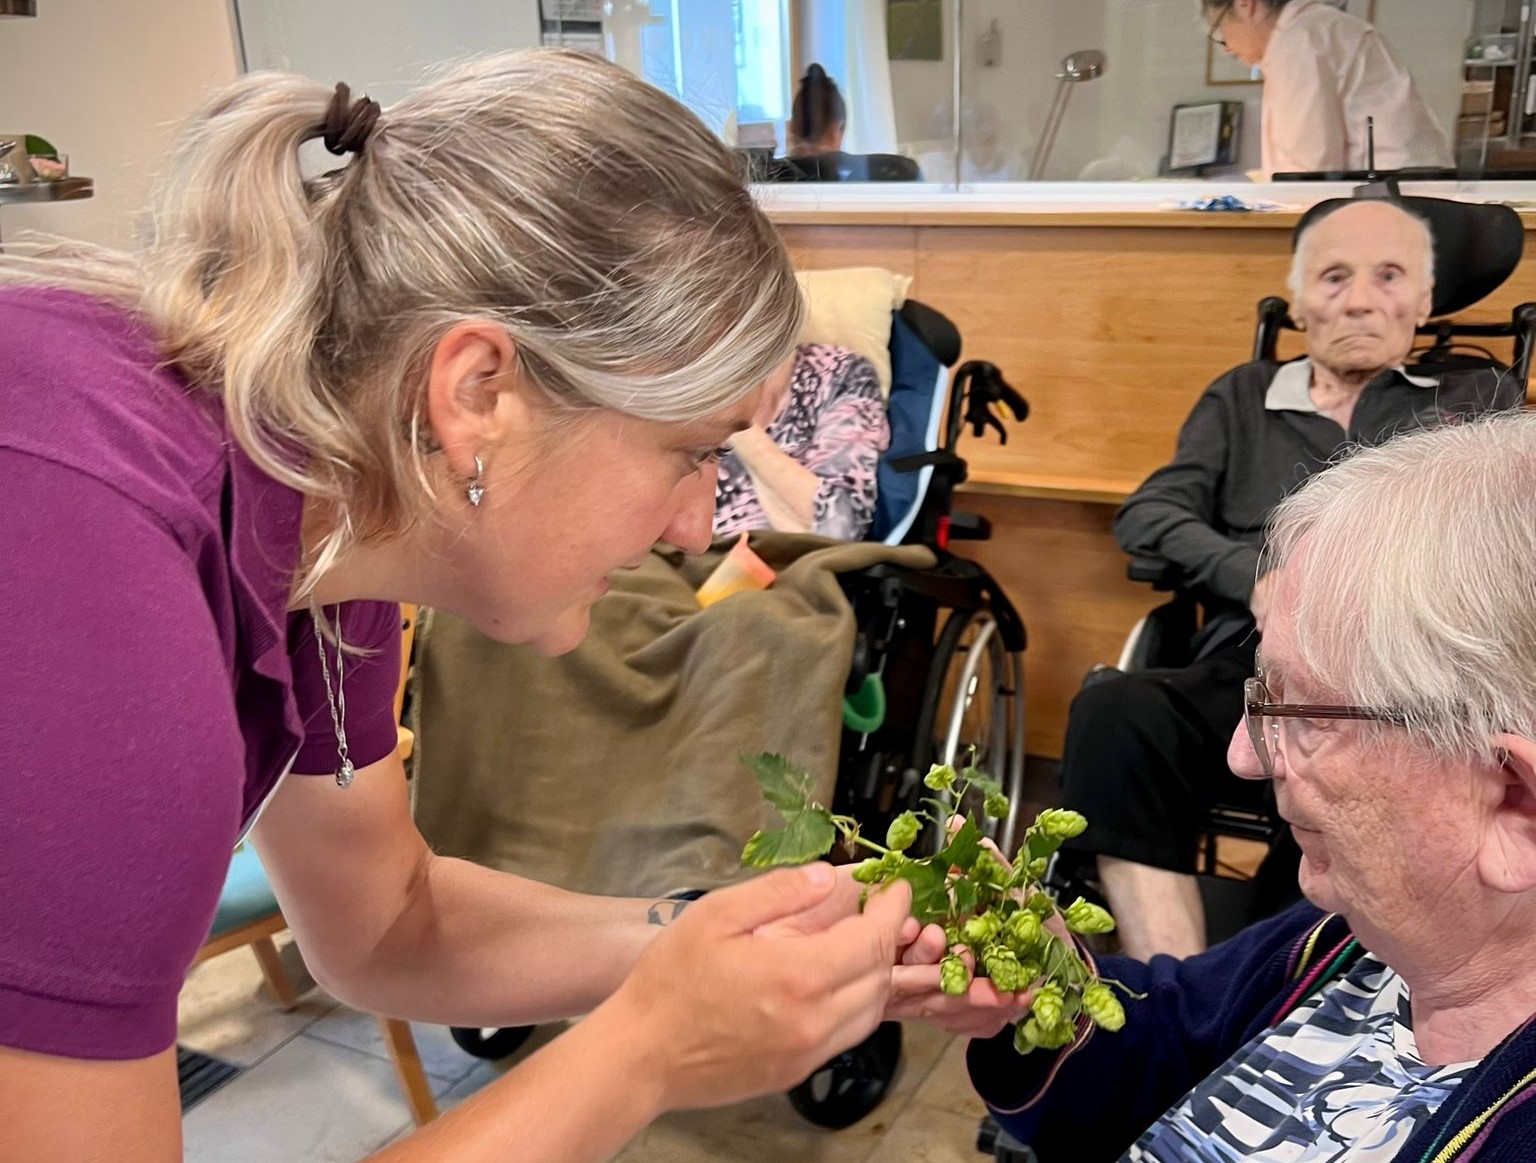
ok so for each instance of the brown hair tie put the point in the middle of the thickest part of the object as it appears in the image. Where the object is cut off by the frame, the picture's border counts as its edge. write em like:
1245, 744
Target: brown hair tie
348, 124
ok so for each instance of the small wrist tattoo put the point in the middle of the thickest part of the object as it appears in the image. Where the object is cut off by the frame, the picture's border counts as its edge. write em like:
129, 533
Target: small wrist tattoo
665, 912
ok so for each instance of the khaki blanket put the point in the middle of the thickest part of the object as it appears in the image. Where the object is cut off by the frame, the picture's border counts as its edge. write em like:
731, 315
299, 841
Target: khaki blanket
614, 769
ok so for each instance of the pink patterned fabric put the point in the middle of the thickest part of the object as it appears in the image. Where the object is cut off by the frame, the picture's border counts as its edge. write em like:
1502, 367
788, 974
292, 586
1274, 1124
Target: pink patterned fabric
834, 424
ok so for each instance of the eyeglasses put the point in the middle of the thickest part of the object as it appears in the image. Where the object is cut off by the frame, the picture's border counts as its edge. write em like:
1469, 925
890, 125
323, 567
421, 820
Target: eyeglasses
1262, 718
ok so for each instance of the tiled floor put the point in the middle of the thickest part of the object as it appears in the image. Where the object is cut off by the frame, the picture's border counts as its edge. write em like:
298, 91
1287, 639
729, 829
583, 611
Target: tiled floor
320, 1087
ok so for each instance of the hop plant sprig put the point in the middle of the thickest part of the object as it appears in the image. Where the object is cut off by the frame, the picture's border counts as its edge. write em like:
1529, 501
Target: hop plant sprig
998, 922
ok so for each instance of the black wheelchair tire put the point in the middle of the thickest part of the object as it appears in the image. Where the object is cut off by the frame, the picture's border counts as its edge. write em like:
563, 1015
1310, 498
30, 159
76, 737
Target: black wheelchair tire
847, 1088
478, 1044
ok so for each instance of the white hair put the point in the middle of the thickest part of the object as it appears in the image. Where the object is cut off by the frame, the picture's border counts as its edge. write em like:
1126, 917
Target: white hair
1296, 281
1413, 567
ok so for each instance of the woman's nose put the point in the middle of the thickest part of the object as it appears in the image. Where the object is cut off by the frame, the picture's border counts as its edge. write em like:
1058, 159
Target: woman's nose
692, 526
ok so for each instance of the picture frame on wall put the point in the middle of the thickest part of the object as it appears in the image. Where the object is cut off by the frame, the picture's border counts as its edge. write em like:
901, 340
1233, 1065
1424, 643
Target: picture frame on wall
914, 30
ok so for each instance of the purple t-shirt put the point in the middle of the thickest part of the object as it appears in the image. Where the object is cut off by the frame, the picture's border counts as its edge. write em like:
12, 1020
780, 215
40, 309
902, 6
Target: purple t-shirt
153, 686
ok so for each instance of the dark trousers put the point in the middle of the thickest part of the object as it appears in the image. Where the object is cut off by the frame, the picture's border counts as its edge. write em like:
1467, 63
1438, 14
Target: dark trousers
1146, 752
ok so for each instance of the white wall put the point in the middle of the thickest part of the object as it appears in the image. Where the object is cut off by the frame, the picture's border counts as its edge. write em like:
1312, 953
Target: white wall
377, 47
107, 82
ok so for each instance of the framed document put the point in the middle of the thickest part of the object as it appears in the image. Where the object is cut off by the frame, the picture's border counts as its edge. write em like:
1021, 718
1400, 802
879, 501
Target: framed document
1204, 134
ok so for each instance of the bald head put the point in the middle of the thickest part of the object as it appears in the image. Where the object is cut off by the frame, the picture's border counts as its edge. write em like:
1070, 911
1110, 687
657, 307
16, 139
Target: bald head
1362, 280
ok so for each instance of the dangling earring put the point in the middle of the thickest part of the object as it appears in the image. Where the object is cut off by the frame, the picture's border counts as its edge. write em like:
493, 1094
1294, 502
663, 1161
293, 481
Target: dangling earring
476, 491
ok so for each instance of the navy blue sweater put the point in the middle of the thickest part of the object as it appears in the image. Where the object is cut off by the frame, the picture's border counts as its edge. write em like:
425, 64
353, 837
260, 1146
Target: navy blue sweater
1197, 1013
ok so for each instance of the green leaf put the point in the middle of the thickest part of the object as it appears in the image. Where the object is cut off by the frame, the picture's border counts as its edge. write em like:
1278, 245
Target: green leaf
963, 848
930, 888
965, 896
785, 786
806, 835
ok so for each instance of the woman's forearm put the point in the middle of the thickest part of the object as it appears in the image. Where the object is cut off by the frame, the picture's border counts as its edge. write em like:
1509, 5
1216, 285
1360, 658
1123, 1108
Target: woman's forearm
787, 490
475, 947
578, 1100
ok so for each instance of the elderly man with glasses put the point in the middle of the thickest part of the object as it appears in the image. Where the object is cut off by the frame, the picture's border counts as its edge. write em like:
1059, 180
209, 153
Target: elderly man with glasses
1144, 751
1325, 73
1392, 1015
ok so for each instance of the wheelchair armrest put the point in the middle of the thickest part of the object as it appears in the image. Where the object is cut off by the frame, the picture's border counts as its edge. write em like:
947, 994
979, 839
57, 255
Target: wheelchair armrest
969, 527
1160, 573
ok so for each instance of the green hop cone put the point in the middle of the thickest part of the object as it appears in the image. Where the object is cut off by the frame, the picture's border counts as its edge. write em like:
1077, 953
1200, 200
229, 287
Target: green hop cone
995, 806
1030, 1035
952, 936
903, 832
988, 869
1049, 1006
1029, 971
1101, 1004
954, 977
1040, 904
1022, 930
940, 777
980, 930
1083, 917
1035, 869
1061, 823
868, 871
1003, 968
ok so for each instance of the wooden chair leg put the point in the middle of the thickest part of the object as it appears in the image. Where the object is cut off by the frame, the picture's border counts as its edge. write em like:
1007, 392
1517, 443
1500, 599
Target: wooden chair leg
279, 984
413, 1079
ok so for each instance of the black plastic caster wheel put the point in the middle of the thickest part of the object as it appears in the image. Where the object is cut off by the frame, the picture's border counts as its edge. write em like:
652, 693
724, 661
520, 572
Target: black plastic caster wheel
854, 1083
489, 1043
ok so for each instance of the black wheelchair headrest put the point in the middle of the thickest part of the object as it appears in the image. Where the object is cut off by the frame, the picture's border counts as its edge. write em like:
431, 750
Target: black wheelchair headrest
934, 328
842, 167
1477, 245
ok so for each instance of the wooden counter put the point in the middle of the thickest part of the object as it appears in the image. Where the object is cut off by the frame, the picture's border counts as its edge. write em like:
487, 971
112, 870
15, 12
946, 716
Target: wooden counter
1111, 324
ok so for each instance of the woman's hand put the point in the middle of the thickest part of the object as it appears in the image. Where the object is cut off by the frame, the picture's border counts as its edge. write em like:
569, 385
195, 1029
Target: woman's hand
758, 985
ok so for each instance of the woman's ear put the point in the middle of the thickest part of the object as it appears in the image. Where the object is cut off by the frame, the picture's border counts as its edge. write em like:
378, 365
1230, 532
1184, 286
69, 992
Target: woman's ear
474, 395
1507, 857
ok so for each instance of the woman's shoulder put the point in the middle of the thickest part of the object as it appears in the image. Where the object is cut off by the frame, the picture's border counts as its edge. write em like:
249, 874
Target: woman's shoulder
83, 386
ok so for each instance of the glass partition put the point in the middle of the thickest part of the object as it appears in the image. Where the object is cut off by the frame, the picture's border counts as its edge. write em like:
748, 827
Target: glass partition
976, 92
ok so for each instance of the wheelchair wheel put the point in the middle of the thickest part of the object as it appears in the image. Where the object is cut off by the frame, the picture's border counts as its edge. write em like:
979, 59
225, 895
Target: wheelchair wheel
854, 1083
489, 1043
975, 704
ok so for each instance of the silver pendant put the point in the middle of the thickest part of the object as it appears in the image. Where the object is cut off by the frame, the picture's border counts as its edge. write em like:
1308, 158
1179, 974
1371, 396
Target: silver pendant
345, 774
476, 491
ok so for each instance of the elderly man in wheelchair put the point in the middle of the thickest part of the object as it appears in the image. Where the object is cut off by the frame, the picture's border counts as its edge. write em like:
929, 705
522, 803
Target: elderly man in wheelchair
1145, 751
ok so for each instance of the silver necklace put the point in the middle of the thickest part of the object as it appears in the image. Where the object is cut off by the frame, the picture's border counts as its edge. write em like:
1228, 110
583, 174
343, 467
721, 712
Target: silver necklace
337, 698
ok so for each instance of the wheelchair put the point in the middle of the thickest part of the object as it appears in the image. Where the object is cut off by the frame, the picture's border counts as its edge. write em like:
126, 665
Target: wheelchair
936, 673
1477, 248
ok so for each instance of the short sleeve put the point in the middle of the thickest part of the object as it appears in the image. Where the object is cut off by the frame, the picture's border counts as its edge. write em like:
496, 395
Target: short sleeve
123, 773
370, 673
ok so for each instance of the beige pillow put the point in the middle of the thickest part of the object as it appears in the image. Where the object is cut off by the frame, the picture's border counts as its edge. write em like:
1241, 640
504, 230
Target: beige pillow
852, 308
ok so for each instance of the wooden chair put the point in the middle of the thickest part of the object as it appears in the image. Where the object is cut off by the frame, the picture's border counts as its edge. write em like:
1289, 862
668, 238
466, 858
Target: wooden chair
248, 915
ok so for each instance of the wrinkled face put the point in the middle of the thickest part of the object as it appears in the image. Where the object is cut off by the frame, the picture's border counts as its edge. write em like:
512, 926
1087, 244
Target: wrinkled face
1387, 837
1243, 31
1364, 288
583, 500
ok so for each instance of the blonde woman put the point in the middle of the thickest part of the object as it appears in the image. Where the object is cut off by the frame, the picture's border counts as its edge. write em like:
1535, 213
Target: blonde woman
481, 365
